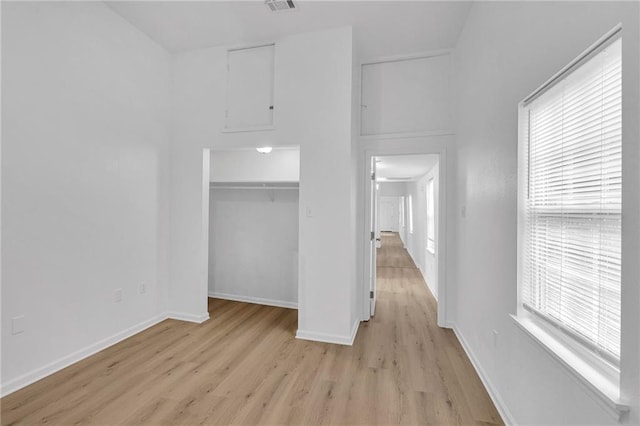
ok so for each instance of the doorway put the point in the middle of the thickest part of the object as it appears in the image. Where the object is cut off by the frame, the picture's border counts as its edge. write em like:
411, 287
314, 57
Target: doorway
406, 207
253, 226
389, 217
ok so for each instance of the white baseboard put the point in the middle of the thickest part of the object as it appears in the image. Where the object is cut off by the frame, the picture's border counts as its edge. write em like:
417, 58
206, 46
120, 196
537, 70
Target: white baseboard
354, 332
329, 338
504, 412
435, 296
256, 300
55, 366
180, 316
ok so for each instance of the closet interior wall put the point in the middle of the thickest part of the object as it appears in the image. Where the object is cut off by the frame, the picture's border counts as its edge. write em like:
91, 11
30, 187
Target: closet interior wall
253, 227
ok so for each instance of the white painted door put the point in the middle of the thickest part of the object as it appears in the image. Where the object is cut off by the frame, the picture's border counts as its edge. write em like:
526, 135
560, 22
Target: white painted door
373, 238
389, 215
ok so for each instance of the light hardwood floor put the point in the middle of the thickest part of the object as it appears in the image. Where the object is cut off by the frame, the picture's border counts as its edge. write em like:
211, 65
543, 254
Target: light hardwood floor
244, 366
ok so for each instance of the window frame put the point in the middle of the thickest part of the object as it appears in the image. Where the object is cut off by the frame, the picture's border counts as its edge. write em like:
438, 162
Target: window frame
597, 373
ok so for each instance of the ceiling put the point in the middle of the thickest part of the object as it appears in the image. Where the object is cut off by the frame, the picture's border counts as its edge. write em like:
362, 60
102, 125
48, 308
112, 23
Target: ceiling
381, 28
403, 167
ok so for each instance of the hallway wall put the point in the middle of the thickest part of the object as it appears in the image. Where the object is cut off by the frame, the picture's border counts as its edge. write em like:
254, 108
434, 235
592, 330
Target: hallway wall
505, 52
416, 243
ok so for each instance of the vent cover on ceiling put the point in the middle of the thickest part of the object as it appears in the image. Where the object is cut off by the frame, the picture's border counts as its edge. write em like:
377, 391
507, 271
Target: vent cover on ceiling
278, 5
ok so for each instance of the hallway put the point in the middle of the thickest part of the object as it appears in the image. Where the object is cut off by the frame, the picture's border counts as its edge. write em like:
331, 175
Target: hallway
428, 361
244, 366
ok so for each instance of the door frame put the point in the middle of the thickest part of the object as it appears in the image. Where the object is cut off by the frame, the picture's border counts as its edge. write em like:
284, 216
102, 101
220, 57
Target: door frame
379, 149
372, 247
206, 206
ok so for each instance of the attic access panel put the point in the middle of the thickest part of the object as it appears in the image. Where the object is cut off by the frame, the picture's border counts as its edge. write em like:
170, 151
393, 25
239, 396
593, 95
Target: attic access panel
250, 74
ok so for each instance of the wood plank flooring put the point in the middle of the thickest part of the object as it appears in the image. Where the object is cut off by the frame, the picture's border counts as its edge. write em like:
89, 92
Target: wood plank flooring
244, 366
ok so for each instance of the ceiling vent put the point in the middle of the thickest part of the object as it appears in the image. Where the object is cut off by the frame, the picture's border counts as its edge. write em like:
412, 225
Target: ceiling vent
280, 5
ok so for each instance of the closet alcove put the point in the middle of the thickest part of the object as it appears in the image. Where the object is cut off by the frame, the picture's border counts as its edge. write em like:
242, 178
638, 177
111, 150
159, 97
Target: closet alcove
253, 226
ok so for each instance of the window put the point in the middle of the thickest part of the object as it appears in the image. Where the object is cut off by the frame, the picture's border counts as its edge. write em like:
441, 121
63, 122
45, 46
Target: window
570, 205
410, 212
250, 88
431, 218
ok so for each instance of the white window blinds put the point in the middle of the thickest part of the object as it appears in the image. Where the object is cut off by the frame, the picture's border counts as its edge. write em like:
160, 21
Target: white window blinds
572, 250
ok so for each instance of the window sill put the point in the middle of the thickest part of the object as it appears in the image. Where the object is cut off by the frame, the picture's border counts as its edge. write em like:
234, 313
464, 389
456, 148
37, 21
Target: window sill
606, 391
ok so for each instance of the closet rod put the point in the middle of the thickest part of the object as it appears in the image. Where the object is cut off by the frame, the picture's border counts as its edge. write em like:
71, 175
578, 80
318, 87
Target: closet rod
292, 188
254, 185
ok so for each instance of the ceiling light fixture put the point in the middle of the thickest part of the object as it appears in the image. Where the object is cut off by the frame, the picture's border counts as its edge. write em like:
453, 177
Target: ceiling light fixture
264, 149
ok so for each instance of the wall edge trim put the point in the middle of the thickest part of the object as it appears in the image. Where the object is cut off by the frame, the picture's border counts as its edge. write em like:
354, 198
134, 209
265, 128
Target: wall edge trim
354, 331
497, 400
256, 300
328, 337
182, 316
77, 356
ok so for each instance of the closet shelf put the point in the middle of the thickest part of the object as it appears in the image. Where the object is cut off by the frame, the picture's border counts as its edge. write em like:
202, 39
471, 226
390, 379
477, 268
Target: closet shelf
255, 185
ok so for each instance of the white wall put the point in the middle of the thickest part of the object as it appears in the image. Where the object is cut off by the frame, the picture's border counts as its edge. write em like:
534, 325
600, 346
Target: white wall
357, 197
417, 238
253, 245
431, 259
392, 189
281, 165
416, 243
410, 95
313, 107
85, 113
505, 51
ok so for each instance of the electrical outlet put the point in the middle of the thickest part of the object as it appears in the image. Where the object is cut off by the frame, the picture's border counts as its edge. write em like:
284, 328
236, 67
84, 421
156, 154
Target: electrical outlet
17, 325
143, 288
495, 338
117, 295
